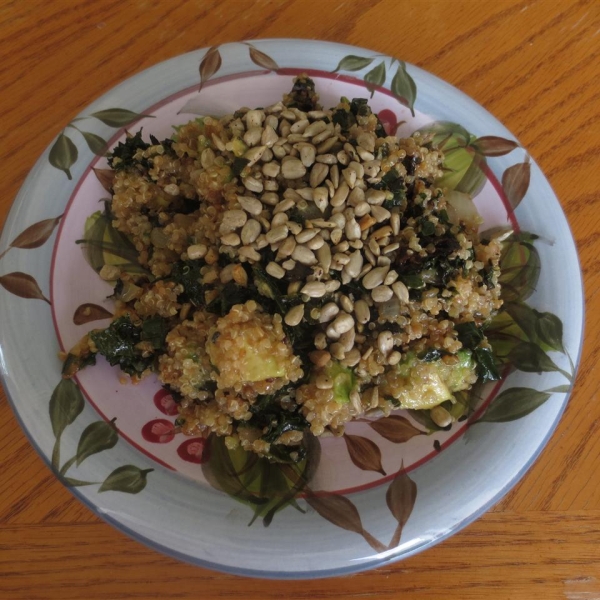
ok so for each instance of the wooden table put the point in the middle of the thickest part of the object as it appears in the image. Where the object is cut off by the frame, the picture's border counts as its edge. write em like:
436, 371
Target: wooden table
535, 64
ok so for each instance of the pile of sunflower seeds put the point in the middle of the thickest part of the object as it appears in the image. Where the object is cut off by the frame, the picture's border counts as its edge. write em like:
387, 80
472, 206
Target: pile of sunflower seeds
300, 163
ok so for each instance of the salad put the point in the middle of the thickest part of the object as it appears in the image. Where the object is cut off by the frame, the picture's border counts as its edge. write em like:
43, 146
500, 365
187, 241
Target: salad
293, 268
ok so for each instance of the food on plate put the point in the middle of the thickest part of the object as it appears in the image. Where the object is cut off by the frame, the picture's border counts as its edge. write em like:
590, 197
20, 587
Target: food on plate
293, 268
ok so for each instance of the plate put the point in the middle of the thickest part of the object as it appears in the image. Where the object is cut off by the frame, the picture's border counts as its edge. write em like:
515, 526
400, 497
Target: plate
387, 489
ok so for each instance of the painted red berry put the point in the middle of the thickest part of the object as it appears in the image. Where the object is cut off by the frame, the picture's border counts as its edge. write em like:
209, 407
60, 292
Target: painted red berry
194, 450
159, 431
163, 400
388, 120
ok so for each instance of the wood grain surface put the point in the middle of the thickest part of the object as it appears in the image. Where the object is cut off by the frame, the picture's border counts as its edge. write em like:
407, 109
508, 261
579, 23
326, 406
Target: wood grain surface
535, 64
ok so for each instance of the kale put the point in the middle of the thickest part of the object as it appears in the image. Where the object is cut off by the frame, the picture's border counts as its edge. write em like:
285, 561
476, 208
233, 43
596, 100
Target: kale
410, 163
117, 343
432, 355
359, 107
188, 275
393, 182
154, 330
302, 95
230, 295
75, 363
273, 419
238, 165
125, 153
344, 118
472, 337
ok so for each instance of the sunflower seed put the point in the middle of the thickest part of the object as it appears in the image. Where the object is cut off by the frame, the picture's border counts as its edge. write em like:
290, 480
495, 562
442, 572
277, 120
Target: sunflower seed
314, 289
232, 219
250, 231
401, 292
253, 136
250, 204
440, 416
250, 253
299, 126
279, 219
277, 234
354, 265
328, 312
380, 213
275, 270
332, 286
319, 357
315, 128
374, 278
385, 342
324, 257
271, 169
304, 255
352, 230
341, 324
293, 169
327, 159
382, 293
316, 242
340, 195
390, 278
305, 235
362, 311
394, 358
295, 314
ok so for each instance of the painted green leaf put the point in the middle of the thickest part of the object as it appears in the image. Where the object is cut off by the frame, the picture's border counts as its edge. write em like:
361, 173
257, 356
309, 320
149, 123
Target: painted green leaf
103, 244
525, 317
520, 267
447, 135
395, 428
422, 417
375, 77
66, 405
364, 453
400, 498
560, 389
353, 63
77, 482
515, 182
474, 178
117, 117
267, 487
63, 154
36, 235
261, 59
404, 87
513, 404
549, 329
128, 479
209, 65
531, 358
491, 145
96, 437
95, 143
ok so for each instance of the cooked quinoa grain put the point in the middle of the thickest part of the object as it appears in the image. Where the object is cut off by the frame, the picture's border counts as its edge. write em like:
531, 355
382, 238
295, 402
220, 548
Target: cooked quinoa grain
298, 267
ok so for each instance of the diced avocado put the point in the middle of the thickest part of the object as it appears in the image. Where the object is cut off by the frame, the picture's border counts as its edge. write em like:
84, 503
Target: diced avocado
458, 376
259, 367
343, 381
238, 147
418, 384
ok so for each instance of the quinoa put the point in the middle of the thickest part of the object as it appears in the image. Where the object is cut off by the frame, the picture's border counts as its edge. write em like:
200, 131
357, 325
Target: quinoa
298, 268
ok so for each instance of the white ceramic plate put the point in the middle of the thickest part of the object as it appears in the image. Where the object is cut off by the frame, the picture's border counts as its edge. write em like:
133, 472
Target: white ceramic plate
414, 485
